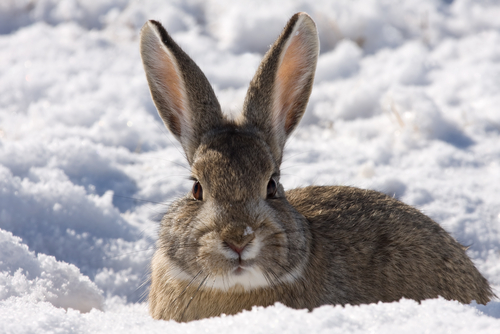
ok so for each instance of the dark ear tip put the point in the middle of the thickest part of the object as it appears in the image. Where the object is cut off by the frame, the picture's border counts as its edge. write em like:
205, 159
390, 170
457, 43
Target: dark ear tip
303, 19
153, 24
159, 29
156, 23
299, 15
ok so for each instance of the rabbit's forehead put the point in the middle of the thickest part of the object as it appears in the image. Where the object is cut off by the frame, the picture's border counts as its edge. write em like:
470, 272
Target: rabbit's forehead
231, 160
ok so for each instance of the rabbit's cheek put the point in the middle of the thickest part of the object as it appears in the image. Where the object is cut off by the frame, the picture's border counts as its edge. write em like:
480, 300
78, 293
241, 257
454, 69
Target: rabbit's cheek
212, 256
176, 271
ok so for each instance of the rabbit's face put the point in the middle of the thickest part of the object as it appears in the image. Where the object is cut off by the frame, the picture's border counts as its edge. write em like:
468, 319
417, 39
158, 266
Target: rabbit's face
236, 229
241, 231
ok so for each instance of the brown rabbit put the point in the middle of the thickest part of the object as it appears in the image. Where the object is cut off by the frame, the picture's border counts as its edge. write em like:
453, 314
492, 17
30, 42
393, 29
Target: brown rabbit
239, 240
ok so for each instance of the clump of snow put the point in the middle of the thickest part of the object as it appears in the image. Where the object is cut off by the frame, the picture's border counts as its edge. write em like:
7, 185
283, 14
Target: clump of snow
405, 101
418, 115
343, 61
15, 14
38, 278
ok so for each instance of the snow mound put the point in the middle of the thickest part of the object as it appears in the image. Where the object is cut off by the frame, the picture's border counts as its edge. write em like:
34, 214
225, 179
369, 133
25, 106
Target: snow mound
405, 316
41, 278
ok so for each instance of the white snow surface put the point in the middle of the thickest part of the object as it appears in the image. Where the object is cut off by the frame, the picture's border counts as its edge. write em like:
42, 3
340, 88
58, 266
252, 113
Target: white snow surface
406, 101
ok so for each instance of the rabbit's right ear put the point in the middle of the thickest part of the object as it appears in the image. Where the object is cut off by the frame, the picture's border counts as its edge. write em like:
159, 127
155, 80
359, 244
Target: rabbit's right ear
277, 97
182, 94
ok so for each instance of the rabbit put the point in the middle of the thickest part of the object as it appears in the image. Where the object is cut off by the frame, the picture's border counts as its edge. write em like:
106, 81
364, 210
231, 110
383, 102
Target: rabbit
238, 239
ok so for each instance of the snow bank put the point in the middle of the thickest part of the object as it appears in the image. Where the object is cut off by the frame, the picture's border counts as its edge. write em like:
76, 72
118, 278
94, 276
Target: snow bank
405, 316
31, 278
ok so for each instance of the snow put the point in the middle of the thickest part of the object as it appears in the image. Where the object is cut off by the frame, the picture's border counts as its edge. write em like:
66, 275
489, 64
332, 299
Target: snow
405, 101
42, 278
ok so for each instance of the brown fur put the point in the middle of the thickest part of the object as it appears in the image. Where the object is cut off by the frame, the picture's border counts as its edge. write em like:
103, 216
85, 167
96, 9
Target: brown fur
238, 247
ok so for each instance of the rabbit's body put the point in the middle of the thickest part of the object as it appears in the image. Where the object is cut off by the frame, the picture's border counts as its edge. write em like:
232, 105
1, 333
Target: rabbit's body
240, 240
380, 249
365, 247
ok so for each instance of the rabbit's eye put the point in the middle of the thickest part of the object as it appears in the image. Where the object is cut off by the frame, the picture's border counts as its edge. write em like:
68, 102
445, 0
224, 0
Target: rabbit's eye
197, 191
272, 187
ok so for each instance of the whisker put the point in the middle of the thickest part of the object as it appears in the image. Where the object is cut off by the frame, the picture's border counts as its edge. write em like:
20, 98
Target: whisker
289, 232
276, 277
270, 281
178, 164
139, 199
203, 223
145, 293
194, 296
127, 253
213, 282
224, 280
185, 289
288, 271
162, 129
163, 247
302, 249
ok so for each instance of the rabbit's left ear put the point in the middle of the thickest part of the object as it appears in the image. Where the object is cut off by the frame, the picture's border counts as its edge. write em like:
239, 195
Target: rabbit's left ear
277, 97
182, 94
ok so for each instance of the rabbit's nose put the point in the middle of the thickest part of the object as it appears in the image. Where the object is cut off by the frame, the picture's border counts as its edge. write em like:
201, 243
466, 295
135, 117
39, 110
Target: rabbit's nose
237, 249
237, 237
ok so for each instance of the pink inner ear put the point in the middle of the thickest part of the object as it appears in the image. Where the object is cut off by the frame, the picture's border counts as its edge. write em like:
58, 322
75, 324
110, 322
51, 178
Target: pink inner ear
291, 77
172, 86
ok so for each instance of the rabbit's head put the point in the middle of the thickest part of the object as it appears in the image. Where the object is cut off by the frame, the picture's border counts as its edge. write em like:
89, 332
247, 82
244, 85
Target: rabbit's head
235, 229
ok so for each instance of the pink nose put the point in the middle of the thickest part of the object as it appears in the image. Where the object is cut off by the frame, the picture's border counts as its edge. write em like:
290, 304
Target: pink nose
237, 249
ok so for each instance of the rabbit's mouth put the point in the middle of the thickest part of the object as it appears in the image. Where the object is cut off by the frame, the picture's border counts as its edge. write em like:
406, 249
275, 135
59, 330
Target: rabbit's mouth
242, 267
238, 271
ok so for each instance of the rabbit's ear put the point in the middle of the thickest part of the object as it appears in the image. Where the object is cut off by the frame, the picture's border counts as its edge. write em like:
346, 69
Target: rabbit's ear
182, 94
278, 94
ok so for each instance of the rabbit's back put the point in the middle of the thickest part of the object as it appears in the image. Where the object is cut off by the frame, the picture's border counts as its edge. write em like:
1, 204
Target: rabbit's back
376, 248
